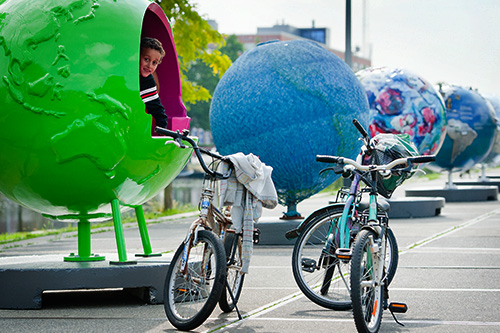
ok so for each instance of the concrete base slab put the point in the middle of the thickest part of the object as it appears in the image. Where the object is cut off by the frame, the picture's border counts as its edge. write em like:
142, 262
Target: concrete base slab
273, 230
24, 279
492, 182
458, 194
405, 207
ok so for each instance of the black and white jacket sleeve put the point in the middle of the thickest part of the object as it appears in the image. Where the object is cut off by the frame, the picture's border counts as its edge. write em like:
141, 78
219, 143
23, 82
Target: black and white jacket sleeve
150, 97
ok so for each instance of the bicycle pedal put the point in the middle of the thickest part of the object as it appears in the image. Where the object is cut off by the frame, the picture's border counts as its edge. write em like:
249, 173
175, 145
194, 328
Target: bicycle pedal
256, 236
398, 307
308, 265
291, 234
343, 254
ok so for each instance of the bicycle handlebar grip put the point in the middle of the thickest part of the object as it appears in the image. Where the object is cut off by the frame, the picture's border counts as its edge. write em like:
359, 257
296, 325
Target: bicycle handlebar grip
327, 159
360, 128
423, 159
164, 131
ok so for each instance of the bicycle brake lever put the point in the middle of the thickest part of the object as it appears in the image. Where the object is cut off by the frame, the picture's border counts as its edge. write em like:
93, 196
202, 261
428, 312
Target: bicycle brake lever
336, 169
173, 143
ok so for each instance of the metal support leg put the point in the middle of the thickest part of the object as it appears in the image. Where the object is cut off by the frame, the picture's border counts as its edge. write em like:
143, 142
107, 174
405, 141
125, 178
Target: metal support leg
143, 230
120, 239
84, 244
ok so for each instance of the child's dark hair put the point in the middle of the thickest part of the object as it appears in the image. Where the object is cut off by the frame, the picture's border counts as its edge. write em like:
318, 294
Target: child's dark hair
152, 43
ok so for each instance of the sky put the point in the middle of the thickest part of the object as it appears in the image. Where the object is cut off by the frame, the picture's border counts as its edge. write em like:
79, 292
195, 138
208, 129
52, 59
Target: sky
451, 41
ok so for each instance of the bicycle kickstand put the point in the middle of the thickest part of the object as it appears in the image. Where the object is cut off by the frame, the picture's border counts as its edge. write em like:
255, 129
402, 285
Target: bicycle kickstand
234, 301
394, 307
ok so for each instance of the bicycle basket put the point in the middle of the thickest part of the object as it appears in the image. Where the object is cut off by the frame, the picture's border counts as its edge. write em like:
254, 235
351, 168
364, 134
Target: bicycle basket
387, 148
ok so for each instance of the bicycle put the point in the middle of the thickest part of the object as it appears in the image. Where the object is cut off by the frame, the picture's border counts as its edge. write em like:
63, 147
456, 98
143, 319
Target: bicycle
369, 269
336, 237
206, 268
321, 273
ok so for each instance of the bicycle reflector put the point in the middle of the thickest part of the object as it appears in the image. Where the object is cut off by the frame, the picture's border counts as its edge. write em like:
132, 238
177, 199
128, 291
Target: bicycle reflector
344, 254
398, 307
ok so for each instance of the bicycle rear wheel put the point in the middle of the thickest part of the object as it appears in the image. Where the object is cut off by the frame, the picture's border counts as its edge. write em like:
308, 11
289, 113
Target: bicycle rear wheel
189, 300
322, 277
367, 291
232, 245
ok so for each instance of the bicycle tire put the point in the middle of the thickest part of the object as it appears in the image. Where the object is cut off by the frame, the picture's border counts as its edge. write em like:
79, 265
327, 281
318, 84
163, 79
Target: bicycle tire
367, 293
189, 302
393, 252
321, 276
234, 277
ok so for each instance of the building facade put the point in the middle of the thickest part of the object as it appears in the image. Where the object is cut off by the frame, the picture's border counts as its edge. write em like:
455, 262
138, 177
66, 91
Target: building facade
285, 32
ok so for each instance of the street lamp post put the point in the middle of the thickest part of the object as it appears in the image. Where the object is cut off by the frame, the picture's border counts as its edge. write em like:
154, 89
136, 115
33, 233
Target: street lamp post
348, 52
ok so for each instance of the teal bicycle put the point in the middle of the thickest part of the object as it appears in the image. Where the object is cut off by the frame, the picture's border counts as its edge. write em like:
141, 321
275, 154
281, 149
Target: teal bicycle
346, 255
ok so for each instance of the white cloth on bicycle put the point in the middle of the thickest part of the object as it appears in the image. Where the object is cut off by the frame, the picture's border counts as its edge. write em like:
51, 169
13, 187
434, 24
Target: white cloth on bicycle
249, 188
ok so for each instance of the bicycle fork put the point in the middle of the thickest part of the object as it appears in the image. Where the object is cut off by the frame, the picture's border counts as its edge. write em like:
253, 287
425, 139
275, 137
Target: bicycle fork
380, 273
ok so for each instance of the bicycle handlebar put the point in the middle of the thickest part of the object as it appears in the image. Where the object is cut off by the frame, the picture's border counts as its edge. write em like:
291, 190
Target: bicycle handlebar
422, 159
361, 129
179, 137
327, 159
373, 167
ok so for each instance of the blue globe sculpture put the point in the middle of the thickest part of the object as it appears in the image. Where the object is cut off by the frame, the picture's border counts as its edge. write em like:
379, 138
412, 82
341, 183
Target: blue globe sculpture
403, 102
287, 102
493, 157
470, 131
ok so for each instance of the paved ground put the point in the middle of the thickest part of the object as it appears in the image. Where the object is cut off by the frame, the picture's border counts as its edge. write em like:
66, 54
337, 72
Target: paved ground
448, 275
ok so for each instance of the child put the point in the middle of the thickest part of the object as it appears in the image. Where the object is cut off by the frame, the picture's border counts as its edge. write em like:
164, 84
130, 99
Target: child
151, 55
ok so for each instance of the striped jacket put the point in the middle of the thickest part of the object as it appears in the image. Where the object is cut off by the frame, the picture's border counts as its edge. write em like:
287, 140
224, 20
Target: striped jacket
150, 97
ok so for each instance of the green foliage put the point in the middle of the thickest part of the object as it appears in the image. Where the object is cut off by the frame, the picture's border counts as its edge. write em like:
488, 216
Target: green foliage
192, 36
202, 75
150, 218
233, 48
22, 235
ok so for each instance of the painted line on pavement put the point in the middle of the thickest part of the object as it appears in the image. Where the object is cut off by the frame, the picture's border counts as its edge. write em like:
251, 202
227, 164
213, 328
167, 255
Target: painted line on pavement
447, 289
457, 249
257, 312
451, 230
449, 267
434, 322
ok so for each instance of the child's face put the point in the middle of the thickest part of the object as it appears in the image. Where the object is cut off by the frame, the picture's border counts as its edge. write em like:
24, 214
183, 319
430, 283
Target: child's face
149, 60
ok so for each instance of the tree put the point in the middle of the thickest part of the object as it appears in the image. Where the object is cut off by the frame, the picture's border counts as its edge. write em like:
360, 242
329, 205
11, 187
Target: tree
192, 36
202, 75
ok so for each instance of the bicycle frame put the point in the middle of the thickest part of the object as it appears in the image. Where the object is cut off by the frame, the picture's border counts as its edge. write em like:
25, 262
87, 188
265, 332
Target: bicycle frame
205, 220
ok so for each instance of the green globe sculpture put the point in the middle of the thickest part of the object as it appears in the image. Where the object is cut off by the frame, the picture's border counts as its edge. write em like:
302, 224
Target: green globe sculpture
75, 140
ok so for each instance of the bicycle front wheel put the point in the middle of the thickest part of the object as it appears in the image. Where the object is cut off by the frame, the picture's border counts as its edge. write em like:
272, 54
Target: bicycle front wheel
191, 295
233, 247
322, 277
366, 287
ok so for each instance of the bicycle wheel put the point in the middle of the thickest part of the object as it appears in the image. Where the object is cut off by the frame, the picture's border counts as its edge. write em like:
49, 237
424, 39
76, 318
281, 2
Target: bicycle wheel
234, 276
392, 256
319, 274
366, 289
189, 300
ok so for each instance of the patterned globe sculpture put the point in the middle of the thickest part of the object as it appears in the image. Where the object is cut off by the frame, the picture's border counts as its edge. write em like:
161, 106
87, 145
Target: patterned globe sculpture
403, 102
470, 131
288, 102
